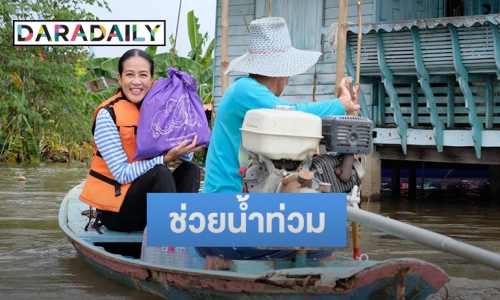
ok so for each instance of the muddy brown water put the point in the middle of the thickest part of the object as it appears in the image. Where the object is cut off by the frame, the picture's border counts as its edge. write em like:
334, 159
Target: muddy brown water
38, 262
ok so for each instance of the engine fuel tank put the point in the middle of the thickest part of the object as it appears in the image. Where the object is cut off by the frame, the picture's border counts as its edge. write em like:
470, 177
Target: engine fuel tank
281, 134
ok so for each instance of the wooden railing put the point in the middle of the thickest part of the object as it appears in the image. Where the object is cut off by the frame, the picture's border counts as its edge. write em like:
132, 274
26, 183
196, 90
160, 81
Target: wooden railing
435, 73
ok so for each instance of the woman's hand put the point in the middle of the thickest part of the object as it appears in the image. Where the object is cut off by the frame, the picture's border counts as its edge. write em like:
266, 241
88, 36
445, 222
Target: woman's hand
181, 149
345, 97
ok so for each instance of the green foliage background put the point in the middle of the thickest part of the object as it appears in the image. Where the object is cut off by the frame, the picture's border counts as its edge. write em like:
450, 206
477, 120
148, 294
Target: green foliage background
43, 101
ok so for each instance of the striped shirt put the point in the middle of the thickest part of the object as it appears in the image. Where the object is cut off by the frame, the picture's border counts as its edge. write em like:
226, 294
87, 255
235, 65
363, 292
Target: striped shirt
108, 142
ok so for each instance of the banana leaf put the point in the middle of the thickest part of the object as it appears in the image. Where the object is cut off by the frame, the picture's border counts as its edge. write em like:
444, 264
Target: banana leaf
195, 37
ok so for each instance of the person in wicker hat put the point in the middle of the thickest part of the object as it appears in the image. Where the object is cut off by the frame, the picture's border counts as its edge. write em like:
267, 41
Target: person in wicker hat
270, 62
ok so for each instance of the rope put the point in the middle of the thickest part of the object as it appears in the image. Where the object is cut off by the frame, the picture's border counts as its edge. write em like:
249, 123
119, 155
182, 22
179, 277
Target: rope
176, 30
315, 78
245, 20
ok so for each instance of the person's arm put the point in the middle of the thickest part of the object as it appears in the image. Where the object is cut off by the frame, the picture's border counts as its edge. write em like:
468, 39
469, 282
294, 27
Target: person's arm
330, 107
108, 142
259, 96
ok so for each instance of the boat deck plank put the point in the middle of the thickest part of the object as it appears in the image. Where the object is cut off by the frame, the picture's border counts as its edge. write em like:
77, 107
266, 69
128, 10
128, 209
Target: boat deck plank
77, 222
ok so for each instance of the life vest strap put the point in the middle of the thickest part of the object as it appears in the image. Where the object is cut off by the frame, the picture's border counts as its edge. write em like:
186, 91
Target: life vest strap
108, 180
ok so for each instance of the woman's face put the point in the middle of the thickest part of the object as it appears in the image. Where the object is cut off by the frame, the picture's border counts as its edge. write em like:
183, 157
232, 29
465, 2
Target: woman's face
136, 79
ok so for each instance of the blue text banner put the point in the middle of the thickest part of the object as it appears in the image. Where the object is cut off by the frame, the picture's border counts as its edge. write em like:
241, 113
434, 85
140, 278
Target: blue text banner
247, 220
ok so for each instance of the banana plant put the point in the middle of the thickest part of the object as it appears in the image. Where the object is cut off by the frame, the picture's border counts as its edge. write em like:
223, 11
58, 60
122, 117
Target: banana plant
96, 72
204, 77
20, 136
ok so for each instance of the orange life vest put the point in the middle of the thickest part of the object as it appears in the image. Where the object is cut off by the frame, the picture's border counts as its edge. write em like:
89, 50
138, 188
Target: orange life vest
101, 190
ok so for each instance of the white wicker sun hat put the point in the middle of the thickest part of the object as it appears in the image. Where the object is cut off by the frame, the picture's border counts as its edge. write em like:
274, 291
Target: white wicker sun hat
271, 53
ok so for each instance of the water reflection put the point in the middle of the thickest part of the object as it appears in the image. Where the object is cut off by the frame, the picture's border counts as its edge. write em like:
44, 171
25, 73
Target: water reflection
458, 208
36, 259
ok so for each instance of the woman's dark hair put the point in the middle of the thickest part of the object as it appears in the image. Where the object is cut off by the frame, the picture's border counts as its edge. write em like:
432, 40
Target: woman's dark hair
132, 53
136, 52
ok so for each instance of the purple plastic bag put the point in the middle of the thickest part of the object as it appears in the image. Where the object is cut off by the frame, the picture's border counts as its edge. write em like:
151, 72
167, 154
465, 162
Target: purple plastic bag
170, 113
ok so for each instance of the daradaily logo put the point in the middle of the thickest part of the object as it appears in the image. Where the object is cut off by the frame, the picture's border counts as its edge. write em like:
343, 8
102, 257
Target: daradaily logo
89, 33
247, 220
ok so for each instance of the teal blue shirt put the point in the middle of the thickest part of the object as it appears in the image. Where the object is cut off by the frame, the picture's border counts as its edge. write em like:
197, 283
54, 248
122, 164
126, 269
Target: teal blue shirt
222, 163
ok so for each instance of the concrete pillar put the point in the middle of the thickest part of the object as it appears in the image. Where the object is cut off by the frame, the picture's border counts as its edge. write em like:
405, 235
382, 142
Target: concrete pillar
422, 181
371, 184
412, 181
494, 180
396, 180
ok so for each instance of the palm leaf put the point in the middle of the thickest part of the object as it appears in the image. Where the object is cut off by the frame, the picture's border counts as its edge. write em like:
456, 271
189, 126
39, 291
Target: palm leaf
195, 53
207, 59
110, 64
17, 81
163, 56
195, 37
110, 68
32, 142
151, 51
206, 76
94, 63
180, 63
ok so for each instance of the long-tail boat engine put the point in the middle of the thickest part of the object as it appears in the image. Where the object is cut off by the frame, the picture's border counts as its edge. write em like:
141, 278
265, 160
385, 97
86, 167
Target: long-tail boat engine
297, 152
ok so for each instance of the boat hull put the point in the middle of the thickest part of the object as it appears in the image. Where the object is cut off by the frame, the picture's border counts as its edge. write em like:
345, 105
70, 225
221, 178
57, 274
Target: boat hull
341, 279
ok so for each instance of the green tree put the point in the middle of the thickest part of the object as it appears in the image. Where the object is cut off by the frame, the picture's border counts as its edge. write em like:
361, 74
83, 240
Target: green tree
43, 100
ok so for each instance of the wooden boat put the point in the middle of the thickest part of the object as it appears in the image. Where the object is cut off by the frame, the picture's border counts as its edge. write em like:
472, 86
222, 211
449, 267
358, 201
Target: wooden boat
116, 255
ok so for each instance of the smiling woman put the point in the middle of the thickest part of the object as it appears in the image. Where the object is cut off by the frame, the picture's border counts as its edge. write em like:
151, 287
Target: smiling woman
135, 75
117, 184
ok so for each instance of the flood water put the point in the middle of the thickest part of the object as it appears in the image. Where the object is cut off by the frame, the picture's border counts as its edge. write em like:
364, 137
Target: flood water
38, 262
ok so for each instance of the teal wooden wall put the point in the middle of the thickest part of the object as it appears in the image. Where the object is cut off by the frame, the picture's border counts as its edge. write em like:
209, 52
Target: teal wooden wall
304, 20
442, 104
398, 10
440, 74
237, 36
480, 7
309, 22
